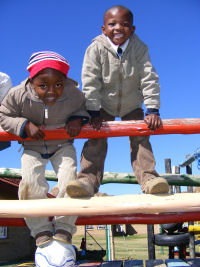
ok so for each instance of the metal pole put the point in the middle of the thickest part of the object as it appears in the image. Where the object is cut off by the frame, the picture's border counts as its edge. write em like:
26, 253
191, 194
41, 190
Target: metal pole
168, 169
112, 244
176, 170
108, 258
85, 238
150, 239
192, 236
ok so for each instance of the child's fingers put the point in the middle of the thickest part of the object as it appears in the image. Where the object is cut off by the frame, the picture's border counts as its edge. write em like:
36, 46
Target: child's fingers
73, 131
38, 135
153, 122
41, 134
96, 123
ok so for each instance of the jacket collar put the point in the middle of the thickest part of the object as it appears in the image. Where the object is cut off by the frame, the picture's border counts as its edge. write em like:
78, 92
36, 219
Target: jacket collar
106, 43
115, 47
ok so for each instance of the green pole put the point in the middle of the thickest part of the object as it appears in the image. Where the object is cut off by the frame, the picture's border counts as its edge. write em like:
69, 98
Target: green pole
107, 243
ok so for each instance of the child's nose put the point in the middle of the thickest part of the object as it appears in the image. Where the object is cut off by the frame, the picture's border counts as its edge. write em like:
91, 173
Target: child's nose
118, 26
50, 89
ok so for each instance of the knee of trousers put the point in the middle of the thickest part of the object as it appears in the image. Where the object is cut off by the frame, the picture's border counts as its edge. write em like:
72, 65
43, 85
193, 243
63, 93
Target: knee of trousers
29, 191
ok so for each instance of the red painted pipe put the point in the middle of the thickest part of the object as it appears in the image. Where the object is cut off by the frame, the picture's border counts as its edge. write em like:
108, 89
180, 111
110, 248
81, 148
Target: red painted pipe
121, 219
116, 128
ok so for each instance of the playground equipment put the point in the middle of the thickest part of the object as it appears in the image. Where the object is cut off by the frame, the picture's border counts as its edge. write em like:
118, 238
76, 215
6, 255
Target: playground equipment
109, 205
140, 209
116, 128
173, 236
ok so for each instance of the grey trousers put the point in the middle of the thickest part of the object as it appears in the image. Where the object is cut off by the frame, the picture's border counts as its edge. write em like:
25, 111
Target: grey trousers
95, 150
34, 185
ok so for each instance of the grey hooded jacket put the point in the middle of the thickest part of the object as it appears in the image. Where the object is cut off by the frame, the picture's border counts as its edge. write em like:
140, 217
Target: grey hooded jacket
22, 104
119, 86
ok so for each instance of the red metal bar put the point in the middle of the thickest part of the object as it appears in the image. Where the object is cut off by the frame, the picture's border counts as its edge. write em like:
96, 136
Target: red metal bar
122, 128
121, 219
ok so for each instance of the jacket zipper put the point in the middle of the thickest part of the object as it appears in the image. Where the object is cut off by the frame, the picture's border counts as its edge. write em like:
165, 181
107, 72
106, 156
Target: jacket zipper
45, 117
120, 88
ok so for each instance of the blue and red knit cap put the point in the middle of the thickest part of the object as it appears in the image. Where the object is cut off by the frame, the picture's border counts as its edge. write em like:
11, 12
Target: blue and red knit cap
47, 59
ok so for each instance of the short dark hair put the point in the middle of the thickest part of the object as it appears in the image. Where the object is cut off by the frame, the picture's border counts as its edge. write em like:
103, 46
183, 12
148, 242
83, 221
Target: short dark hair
130, 14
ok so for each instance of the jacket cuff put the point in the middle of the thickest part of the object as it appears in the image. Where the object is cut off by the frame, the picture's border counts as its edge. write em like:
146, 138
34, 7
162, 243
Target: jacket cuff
152, 111
22, 133
4, 145
84, 119
94, 113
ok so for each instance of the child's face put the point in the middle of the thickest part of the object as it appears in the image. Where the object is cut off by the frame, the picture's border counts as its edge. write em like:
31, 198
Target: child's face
117, 26
49, 85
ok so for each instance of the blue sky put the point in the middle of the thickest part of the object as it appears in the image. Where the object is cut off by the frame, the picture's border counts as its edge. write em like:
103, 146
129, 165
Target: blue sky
169, 27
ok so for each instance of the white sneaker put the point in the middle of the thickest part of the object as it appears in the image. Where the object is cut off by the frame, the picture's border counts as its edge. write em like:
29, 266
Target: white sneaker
55, 254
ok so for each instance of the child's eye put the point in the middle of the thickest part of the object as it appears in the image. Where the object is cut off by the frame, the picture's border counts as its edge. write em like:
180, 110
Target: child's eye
43, 86
59, 84
111, 24
126, 25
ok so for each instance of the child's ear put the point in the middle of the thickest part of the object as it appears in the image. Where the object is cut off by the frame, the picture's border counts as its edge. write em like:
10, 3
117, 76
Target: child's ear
133, 29
30, 80
103, 29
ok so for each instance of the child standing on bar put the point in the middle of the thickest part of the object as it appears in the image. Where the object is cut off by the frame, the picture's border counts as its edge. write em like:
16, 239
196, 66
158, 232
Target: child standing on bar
48, 98
118, 77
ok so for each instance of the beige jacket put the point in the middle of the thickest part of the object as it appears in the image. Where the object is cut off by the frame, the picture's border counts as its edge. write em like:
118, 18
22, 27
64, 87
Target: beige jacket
119, 86
22, 104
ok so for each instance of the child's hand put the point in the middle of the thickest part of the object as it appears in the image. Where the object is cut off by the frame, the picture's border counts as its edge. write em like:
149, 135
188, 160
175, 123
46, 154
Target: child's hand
153, 121
73, 127
33, 131
96, 123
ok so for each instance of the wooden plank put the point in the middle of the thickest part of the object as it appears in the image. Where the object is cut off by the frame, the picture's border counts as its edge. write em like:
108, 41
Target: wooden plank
112, 264
119, 128
155, 263
99, 264
133, 263
18, 264
193, 262
114, 177
176, 262
109, 205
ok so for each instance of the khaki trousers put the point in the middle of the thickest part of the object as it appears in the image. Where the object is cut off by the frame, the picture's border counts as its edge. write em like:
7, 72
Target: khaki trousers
95, 150
34, 185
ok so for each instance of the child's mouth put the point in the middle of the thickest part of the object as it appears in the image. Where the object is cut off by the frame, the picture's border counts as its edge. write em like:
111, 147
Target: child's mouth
50, 99
118, 35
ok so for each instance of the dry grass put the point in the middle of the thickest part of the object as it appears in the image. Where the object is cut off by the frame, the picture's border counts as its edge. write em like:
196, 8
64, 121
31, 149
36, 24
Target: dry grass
129, 247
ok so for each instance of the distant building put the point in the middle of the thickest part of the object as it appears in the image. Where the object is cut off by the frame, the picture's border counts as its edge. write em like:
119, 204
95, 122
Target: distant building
15, 242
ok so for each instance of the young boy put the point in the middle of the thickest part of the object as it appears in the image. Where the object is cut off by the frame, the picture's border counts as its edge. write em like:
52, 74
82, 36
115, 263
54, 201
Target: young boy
5, 85
117, 78
47, 98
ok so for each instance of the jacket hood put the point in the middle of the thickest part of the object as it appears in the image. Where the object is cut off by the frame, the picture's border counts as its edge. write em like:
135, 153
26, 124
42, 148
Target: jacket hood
103, 40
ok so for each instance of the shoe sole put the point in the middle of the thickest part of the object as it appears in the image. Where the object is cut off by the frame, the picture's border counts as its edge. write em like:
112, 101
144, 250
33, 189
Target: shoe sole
160, 188
76, 191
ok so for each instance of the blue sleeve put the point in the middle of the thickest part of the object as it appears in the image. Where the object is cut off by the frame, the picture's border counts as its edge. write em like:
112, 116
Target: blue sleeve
152, 111
84, 119
22, 133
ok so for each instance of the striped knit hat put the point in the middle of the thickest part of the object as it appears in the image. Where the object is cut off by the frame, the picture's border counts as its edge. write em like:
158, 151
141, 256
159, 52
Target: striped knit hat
47, 59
